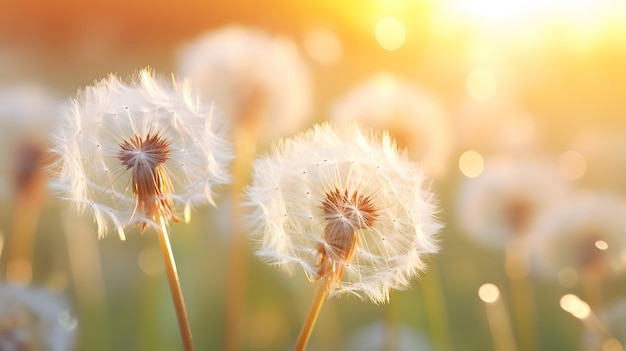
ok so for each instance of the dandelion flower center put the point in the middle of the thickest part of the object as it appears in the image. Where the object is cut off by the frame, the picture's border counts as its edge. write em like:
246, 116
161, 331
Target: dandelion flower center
151, 185
345, 214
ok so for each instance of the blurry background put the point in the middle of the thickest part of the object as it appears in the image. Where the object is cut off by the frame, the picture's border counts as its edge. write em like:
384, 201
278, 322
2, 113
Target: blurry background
531, 78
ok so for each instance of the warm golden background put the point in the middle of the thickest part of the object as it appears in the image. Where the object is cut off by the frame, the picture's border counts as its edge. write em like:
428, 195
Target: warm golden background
562, 65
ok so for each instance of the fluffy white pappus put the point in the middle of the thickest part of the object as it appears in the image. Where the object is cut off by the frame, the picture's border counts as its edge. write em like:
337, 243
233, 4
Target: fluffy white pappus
413, 116
504, 203
254, 77
35, 319
395, 226
90, 172
587, 234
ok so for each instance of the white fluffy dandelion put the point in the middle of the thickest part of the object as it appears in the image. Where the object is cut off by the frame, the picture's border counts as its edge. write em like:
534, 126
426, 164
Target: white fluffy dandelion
142, 153
412, 115
257, 79
348, 209
35, 319
133, 152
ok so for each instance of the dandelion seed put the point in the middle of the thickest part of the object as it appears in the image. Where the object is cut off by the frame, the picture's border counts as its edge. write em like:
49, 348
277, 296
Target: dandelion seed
128, 152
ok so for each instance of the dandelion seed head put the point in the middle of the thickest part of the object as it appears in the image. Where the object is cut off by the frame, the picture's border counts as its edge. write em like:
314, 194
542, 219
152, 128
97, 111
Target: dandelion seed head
131, 152
344, 206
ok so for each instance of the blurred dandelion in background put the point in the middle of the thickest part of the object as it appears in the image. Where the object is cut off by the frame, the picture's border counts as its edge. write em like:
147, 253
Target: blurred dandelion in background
35, 319
582, 242
502, 205
347, 208
28, 113
414, 117
259, 80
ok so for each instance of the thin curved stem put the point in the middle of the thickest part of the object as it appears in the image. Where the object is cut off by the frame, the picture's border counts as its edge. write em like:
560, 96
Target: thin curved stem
177, 294
309, 323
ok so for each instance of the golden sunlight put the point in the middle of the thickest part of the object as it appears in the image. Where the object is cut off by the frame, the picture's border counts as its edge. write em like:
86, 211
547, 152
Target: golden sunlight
481, 84
491, 12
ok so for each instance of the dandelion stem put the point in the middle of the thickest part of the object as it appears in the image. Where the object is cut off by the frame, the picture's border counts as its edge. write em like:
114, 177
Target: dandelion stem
500, 326
174, 282
516, 265
436, 308
245, 149
21, 245
309, 323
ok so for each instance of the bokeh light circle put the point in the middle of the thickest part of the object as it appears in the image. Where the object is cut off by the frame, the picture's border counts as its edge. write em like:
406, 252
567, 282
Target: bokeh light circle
488, 293
390, 33
572, 165
471, 163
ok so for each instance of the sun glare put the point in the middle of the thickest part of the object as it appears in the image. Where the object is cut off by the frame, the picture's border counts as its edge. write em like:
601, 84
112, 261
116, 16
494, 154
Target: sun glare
481, 84
471, 163
577, 12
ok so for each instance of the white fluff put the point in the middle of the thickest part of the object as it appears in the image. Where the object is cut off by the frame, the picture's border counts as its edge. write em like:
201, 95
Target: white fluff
287, 220
89, 172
